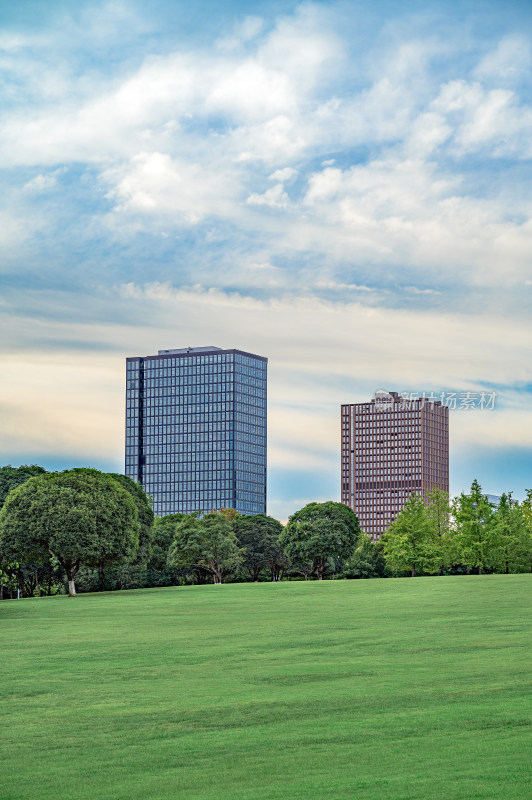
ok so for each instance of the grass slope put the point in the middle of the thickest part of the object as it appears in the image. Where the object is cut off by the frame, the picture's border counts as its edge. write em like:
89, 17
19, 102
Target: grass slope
391, 689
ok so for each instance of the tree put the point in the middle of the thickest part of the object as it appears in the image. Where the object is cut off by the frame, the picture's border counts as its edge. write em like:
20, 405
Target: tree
438, 516
367, 560
318, 533
159, 572
14, 573
208, 543
526, 512
135, 571
11, 477
145, 514
407, 544
512, 538
258, 536
477, 535
80, 516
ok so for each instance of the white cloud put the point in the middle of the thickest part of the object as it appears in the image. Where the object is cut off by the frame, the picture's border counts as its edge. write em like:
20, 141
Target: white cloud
336, 286
417, 290
243, 32
275, 197
40, 183
325, 339
284, 174
190, 135
156, 184
511, 59
486, 118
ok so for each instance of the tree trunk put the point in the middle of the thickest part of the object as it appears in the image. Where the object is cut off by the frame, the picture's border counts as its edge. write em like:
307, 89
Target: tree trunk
468, 570
20, 581
480, 570
507, 570
38, 585
1, 591
49, 578
441, 570
413, 570
101, 577
71, 587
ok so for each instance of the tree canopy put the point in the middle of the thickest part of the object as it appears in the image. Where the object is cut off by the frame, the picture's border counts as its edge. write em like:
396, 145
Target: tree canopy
318, 534
80, 516
476, 529
145, 515
407, 543
367, 560
11, 477
207, 542
511, 537
258, 536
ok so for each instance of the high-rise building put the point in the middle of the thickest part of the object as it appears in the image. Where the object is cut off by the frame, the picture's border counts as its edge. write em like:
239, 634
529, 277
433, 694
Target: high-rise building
392, 448
196, 429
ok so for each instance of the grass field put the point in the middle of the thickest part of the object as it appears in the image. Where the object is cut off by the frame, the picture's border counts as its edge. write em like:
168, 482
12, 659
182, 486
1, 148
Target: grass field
413, 689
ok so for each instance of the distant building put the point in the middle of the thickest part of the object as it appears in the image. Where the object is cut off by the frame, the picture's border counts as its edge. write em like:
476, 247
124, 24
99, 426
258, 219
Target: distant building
391, 448
494, 499
196, 429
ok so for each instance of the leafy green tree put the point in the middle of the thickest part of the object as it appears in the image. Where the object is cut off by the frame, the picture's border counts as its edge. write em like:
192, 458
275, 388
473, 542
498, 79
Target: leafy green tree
367, 560
145, 515
15, 574
133, 574
438, 515
80, 516
477, 534
164, 531
526, 512
258, 536
512, 538
159, 572
407, 545
318, 533
8, 581
11, 477
208, 543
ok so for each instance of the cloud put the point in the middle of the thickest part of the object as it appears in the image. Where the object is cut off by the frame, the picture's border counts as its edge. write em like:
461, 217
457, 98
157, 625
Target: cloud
325, 338
510, 60
346, 195
275, 197
243, 32
190, 135
417, 290
40, 183
336, 286
285, 174
156, 184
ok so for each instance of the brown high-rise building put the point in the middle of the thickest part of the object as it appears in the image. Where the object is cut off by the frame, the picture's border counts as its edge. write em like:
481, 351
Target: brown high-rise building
392, 448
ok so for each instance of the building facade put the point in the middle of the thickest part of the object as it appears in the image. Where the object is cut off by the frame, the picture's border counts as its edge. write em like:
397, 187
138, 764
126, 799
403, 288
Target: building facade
391, 448
196, 429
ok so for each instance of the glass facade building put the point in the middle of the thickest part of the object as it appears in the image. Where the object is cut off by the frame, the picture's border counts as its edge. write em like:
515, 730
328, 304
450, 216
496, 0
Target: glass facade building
196, 429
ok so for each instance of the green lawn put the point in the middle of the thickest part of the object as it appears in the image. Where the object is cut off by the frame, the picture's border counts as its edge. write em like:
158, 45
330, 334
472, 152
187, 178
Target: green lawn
413, 689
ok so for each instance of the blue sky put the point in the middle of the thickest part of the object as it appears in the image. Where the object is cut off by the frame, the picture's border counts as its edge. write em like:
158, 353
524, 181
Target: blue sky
342, 187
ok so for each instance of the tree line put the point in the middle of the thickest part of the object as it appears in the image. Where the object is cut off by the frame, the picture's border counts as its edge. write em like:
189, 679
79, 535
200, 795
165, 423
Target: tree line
84, 530
435, 535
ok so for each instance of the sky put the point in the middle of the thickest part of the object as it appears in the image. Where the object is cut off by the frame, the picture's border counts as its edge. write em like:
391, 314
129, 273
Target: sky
342, 187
